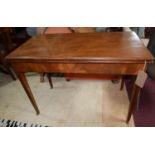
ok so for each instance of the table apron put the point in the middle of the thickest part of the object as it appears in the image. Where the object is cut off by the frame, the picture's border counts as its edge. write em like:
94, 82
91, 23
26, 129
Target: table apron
100, 68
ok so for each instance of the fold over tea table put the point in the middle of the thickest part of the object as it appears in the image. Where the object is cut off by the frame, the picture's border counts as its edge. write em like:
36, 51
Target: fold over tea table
108, 53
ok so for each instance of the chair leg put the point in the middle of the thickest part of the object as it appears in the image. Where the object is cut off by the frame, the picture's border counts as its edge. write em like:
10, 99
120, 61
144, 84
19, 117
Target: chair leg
50, 79
122, 83
7, 70
11, 74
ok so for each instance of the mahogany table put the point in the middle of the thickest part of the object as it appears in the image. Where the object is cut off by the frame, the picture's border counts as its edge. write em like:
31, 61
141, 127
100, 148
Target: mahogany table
112, 53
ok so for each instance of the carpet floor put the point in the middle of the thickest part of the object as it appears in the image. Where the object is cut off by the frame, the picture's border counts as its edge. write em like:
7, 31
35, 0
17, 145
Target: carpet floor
82, 103
144, 114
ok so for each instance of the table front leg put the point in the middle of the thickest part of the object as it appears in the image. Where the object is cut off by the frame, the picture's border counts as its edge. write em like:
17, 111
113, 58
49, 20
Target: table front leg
122, 82
28, 91
133, 102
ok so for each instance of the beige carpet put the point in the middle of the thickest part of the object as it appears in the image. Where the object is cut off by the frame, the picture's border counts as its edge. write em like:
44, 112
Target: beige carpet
75, 103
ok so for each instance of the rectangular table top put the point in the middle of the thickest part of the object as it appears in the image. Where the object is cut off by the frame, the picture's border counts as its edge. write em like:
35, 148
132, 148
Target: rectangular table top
99, 47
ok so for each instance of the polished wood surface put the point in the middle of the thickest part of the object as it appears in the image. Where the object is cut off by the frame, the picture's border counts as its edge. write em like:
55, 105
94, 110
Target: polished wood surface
111, 47
112, 53
81, 68
72, 76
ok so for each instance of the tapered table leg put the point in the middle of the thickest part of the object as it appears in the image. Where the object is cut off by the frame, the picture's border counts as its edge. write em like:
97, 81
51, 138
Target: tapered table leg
133, 101
122, 83
50, 79
26, 87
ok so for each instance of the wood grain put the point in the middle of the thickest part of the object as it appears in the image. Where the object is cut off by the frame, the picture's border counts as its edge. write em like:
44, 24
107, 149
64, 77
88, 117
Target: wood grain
97, 68
83, 48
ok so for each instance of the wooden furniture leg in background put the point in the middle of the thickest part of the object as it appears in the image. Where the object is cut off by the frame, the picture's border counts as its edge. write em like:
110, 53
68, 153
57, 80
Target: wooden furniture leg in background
5, 68
11, 74
26, 87
42, 79
133, 102
7, 71
42, 75
6, 65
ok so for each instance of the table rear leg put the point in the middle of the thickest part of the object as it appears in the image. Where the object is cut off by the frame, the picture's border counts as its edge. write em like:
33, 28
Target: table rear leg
28, 91
42, 75
50, 79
